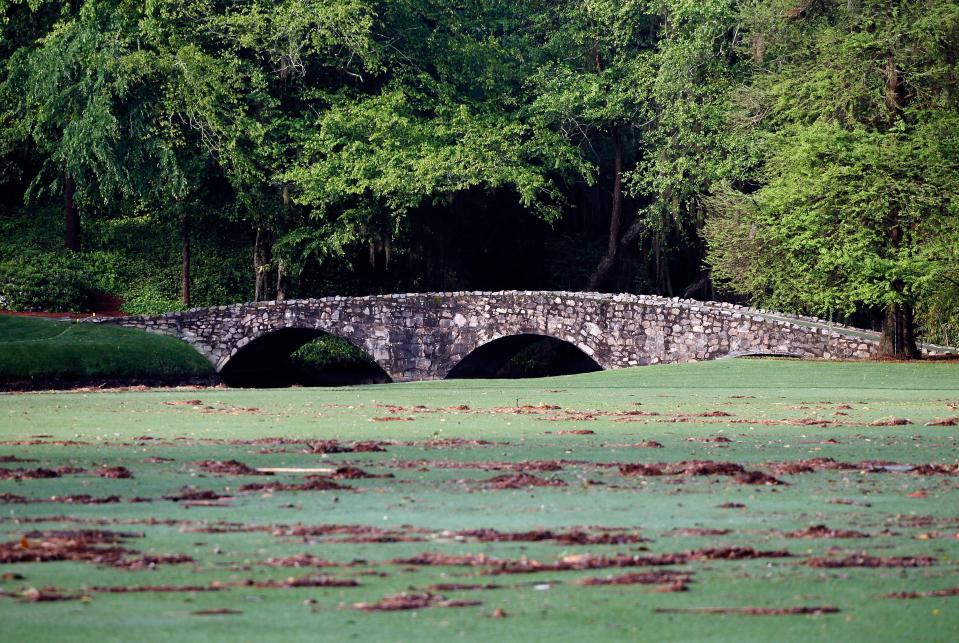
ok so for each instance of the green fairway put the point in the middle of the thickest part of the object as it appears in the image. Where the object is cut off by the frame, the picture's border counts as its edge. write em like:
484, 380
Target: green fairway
48, 352
702, 525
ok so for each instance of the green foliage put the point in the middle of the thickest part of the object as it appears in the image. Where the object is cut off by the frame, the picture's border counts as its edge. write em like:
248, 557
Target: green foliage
150, 299
329, 351
53, 282
858, 176
818, 137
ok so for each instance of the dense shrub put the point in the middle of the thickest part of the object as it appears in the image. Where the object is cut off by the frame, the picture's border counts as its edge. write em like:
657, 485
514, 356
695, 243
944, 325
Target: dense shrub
329, 351
150, 299
48, 281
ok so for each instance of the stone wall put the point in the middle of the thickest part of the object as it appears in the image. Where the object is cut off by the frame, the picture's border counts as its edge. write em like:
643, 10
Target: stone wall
422, 336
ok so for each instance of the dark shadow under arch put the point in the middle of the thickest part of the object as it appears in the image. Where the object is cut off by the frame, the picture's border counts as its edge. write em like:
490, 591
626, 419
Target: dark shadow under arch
522, 356
266, 363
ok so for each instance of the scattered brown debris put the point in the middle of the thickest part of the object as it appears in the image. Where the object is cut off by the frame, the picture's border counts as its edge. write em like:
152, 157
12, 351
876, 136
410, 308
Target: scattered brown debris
932, 593
355, 473
299, 560
714, 414
149, 589
576, 432
749, 611
717, 438
83, 499
863, 560
890, 421
303, 581
697, 531
526, 409
522, 481
822, 531
449, 443
647, 444
537, 465
588, 561
668, 581
312, 483
216, 612
368, 447
193, 494
328, 446
183, 403
114, 472
151, 561
732, 505
631, 470
230, 468
392, 418
13, 458
700, 468
47, 594
28, 474
411, 602
574, 536
757, 477
84, 545
453, 587
935, 469
943, 422
846, 501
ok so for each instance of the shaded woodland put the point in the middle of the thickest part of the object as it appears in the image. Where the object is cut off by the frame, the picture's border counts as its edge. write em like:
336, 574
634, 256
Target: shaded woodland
795, 154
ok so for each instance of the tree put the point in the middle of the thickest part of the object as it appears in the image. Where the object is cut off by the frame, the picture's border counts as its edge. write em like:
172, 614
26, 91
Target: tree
84, 92
438, 116
640, 87
855, 111
593, 86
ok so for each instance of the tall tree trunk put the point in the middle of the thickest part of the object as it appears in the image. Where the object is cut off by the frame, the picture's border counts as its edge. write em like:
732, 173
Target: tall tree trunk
898, 339
281, 276
71, 214
613, 241
262, 257
185, 255
280, 280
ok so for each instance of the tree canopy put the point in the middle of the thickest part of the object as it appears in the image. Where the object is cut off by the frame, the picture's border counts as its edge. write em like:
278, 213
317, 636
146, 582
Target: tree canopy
798, 154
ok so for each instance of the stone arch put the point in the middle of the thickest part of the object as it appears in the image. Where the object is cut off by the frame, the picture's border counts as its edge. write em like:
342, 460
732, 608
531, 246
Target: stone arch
488, 358
262, 356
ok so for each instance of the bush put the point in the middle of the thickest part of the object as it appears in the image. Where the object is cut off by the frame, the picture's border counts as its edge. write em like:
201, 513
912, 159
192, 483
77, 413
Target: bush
150, 299
52, 282
330, 351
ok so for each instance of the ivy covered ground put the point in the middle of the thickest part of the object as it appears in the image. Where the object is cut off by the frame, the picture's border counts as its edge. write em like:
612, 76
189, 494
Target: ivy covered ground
731, 500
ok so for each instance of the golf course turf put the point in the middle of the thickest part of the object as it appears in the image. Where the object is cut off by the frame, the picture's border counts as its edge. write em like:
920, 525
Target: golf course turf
732, 500
40, 353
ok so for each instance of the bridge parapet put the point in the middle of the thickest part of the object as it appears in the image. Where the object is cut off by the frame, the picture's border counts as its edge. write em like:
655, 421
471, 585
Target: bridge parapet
424, 335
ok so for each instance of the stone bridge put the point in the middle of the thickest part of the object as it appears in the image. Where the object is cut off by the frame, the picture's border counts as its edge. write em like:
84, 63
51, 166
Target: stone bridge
424, 336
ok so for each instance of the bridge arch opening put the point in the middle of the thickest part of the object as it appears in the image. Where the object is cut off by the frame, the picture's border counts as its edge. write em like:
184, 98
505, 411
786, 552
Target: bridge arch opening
300, 356
524, 356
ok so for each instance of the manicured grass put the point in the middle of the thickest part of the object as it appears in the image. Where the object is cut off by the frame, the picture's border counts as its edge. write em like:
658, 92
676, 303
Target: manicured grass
45, 351
775, 411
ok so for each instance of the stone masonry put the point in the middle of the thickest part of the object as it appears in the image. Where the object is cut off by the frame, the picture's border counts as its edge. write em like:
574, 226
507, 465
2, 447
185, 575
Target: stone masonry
423, 336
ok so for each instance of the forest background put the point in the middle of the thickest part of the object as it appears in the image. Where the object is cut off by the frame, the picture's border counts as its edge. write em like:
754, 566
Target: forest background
801, 155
